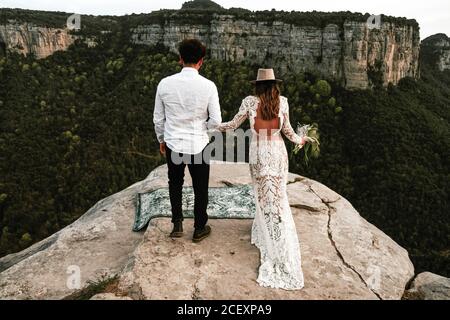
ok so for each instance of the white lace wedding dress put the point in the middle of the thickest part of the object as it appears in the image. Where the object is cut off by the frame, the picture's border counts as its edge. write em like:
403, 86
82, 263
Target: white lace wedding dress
273, 229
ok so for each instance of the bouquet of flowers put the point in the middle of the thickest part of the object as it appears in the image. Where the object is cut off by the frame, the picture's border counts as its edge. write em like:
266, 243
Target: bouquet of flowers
311, 135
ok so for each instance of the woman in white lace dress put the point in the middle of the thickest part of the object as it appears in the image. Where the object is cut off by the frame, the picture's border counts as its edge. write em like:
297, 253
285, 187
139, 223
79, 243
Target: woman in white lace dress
273, 229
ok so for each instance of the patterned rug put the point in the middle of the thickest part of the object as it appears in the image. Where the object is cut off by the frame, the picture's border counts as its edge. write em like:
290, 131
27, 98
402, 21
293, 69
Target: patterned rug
236, 202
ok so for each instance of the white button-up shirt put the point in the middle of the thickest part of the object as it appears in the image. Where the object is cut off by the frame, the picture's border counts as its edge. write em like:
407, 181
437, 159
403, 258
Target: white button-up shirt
186, 106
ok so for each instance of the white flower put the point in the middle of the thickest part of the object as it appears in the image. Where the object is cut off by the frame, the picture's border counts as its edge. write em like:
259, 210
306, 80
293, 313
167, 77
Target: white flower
302, 130
309, 134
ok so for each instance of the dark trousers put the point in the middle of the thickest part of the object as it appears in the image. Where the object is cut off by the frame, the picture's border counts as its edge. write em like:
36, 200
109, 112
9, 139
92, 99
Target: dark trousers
200, 181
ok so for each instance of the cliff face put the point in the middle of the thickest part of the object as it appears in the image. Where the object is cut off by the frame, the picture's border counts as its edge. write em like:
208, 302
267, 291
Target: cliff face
435, 50
343, 255
31, 39
348, 54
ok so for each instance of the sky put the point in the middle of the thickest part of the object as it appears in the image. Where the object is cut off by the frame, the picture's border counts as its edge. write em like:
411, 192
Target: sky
432, 15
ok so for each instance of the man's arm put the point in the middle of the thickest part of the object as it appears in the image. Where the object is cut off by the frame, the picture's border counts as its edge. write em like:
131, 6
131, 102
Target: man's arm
159, 119
215, 117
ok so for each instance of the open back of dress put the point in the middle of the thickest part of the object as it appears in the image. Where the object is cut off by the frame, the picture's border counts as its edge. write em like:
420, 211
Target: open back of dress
266, 126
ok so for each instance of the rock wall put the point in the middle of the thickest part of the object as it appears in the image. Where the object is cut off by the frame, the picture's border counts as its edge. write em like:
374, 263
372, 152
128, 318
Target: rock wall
428, 286
347, 54
30, 39
436, 50
350, 53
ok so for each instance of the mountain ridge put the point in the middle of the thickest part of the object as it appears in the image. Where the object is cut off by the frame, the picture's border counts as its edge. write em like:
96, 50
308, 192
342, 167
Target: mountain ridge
338, 46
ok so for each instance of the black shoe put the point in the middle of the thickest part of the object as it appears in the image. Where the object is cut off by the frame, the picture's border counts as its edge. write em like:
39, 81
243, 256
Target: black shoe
200, 234
177, 230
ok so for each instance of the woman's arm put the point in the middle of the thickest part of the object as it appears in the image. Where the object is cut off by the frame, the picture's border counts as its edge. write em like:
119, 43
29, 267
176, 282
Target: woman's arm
237, 120
287, 128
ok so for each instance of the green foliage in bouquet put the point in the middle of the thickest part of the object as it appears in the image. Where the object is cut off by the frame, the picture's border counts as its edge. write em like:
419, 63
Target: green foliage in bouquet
312, 146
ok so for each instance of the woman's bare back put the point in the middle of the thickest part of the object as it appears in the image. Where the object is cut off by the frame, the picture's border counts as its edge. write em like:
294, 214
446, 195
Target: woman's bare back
268, 126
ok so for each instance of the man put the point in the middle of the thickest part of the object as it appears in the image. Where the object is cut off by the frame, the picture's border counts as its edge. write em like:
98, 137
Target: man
186, 106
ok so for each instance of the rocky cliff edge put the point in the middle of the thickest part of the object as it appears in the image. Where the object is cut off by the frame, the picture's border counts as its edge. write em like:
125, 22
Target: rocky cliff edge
343, 255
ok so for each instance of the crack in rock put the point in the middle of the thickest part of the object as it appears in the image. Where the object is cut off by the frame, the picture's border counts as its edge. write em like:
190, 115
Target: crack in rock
306, 207
339, 254
228, 183
195, 295
135, 292
196, 292
297, 179
10, 260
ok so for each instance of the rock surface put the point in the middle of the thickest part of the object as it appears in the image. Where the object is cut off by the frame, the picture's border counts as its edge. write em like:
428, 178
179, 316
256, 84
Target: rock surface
108, 296
436, 49
350, 53
344, 256
31, 39
428, 286
347, 53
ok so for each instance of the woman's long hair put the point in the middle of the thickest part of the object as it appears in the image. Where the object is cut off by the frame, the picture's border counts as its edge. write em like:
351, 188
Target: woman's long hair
268, 93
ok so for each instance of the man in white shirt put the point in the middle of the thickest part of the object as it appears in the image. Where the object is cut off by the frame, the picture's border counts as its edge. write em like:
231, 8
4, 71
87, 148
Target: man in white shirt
186, 106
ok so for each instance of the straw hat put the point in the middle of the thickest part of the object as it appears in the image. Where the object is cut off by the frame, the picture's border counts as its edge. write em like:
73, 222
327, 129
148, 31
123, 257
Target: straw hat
265, 75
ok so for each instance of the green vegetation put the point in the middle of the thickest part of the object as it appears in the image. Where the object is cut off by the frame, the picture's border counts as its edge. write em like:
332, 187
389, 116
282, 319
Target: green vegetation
314, 18
41, 18
192, 12
90, 25
72, 130
431, 49
103, 285
201, 5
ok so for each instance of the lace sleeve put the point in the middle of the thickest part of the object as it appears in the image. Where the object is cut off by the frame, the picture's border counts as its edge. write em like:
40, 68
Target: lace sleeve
287, 128
237, 120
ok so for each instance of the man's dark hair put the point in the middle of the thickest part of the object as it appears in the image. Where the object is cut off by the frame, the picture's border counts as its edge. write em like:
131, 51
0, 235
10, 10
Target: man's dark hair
191, 50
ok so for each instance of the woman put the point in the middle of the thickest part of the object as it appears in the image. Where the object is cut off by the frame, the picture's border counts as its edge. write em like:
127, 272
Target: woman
273, 229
